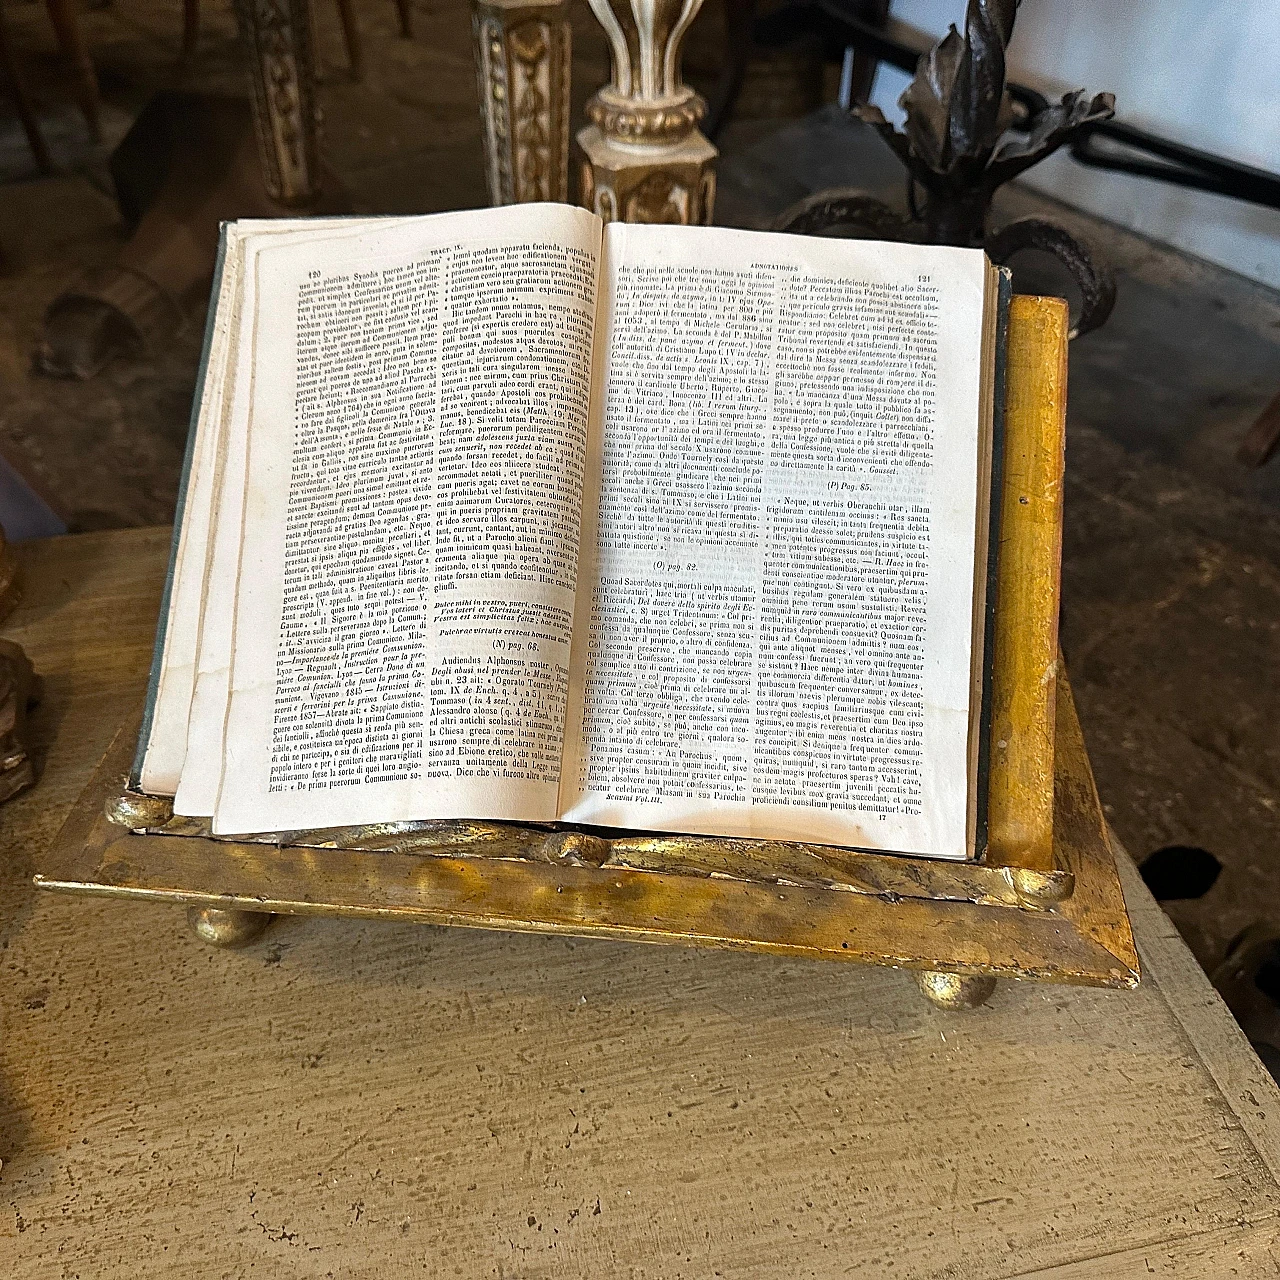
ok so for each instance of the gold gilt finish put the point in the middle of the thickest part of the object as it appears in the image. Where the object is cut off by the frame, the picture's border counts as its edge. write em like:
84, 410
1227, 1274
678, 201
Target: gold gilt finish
1061, 922
227, 928
966, 927
764, 861
1020, 815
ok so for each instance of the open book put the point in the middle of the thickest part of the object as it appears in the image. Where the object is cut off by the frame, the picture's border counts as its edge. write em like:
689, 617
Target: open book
513, 515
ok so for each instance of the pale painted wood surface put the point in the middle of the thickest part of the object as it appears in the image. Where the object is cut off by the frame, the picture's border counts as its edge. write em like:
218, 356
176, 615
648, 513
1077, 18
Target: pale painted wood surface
370, 1100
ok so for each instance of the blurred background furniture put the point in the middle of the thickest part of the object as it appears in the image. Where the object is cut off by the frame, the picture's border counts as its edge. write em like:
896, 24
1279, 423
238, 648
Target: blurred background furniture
1260, 441
63, 15
64, 20
21, 100
66, 27
188, 164
858, 66
644, 159
346, 15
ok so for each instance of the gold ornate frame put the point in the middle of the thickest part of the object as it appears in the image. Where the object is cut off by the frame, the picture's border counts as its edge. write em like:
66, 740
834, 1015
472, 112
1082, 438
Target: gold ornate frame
1044, 904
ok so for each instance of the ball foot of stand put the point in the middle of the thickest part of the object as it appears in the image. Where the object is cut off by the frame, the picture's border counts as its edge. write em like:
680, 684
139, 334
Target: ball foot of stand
227, 928
952, 991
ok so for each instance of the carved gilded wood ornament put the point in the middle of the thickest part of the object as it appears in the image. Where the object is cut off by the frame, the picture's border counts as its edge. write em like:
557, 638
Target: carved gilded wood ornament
522, 59
279, 38
1044, 903
644, 159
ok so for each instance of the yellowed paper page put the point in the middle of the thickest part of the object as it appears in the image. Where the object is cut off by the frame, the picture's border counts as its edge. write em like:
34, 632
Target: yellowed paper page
407, 578
206, 722
774, 620
167, 741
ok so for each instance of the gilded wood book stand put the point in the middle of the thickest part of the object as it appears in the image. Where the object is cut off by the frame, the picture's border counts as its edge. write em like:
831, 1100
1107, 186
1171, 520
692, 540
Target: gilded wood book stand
1044, 904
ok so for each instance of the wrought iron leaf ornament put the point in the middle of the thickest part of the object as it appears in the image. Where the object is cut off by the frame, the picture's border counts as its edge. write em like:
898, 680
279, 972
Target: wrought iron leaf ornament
927, 102
959, 111
1049, 130
956, 106
980, 107
957, 150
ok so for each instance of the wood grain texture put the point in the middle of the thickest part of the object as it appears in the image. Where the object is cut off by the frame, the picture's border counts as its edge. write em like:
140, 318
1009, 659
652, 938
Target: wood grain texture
1028, 586
362, 1099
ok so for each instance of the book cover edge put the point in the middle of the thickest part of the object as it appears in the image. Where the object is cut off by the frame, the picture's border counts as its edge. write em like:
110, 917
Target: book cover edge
983, 781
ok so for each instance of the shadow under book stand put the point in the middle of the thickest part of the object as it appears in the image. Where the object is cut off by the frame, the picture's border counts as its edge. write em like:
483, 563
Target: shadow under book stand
1044, 904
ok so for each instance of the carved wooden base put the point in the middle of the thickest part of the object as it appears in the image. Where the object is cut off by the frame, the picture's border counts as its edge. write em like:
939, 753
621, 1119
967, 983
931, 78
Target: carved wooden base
1060, 922
227, 928
786, 899
951, 991
648, 183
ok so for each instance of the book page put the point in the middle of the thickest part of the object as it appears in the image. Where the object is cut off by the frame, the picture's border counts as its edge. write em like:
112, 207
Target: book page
174, 677
206, 717
416, 446
776, 610
174, 681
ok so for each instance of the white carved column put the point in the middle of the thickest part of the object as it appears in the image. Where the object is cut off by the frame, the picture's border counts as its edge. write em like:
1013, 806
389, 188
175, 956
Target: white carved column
644, 158
522, 57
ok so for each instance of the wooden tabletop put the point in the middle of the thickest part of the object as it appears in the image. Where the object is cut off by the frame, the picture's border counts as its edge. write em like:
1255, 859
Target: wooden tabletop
373, 1100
